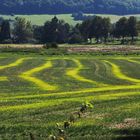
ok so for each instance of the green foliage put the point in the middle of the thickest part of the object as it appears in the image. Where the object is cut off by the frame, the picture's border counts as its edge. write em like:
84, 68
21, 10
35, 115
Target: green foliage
22, 30
63, 6
5, 32
50, 46
55, 31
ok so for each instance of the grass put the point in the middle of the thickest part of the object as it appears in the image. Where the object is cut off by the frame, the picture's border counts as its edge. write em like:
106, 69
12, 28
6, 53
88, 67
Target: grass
38, 91
41, 19
28, 76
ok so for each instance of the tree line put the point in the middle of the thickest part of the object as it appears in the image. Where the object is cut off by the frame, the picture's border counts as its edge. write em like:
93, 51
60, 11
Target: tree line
93, 30
120, 7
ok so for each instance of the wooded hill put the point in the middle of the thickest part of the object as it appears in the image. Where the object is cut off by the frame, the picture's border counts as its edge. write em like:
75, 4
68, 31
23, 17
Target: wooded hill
119, 7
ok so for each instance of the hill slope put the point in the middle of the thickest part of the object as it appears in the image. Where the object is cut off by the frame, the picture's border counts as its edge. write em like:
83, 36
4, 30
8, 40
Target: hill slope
69, 6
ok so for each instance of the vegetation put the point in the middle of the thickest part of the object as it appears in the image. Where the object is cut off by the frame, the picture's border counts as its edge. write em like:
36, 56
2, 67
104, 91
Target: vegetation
63, 6
97, 28
34, 98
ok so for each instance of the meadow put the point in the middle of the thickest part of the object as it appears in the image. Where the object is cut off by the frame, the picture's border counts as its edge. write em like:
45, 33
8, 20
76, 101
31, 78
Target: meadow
38, 91
41, 19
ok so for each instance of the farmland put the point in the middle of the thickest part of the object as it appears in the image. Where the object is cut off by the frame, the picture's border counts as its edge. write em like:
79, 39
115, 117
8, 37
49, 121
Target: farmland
41, 19
37, 91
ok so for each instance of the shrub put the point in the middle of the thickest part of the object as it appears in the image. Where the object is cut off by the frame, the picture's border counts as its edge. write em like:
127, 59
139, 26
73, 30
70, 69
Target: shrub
50, 45
7, 41
76, 38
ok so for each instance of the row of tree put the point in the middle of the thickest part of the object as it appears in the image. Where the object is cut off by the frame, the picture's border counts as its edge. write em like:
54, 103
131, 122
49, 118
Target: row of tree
98, 28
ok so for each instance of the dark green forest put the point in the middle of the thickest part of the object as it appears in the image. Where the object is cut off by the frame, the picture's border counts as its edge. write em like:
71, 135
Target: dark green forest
119, 7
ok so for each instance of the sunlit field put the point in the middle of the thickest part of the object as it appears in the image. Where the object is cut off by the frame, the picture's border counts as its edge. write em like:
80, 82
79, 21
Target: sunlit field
37, 92
41, 19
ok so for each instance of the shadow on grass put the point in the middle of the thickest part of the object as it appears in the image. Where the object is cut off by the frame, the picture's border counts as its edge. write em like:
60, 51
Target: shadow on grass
128, 134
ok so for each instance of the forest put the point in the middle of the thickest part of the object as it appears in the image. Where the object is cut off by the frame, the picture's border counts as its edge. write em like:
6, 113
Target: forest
118, 7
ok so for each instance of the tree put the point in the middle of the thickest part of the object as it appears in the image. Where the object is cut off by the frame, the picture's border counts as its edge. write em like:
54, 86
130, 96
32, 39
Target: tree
23, 32
96, 28
106, 28
5, 33
132, 27
37, 33
55, 31
75, 36
121, 28
85, 29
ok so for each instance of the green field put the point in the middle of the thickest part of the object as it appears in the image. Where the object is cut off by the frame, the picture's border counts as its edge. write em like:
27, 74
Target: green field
41, 19
36, 92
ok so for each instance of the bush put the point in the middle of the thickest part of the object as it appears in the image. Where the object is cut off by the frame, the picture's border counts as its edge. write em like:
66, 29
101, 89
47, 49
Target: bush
7, 41
76, 38
50, 45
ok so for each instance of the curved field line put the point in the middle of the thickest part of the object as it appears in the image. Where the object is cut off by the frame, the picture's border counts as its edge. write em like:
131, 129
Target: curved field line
90, 90
14, 64
74, 73
118, 73
49, 103
3, 78
133, 61
43, 85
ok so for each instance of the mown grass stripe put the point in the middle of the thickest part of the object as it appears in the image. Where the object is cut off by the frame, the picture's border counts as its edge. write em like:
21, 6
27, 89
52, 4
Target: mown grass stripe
74, 73
90, 90
14, 64
3, 78
118, 73
49, 103
28, 75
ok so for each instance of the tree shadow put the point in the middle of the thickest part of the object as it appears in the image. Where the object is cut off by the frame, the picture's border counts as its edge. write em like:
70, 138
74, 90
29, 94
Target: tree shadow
128, 134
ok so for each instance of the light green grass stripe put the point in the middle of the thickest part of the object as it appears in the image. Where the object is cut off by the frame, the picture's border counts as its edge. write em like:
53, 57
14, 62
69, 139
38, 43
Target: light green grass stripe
14, 64
133, 61
3, 78
49, 103
74, 73
28, 75
118, 73
90, 90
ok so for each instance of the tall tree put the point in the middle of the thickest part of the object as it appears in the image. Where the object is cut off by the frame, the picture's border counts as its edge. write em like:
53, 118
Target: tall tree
85, 29
106, 28
56, 31
121, 28
5, 33
22, 30
96, 28
132, 27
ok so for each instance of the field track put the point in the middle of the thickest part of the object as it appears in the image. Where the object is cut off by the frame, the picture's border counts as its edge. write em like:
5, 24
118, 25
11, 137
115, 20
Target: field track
34, 84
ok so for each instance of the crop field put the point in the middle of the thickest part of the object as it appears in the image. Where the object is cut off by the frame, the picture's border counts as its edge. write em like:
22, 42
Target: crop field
37, 92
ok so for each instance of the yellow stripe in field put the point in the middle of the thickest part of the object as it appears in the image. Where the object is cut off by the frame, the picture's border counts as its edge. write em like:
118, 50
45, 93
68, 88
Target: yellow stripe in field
14, 64
49, 103
133, 61
3, 78
43, 85
118, 73
74, 73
